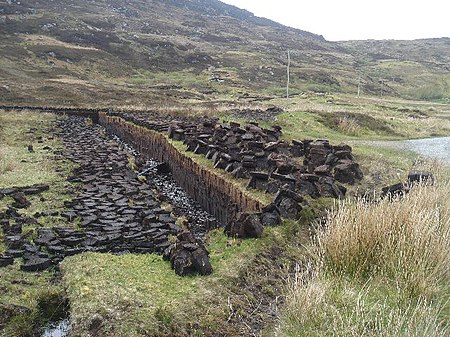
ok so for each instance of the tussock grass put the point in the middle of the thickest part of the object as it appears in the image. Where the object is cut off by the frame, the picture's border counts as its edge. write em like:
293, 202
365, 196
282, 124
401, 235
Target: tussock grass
330, 306
348, 125
406, 240
377, 269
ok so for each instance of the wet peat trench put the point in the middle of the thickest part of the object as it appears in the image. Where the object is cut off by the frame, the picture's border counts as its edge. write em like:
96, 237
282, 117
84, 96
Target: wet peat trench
117, 211
158, 176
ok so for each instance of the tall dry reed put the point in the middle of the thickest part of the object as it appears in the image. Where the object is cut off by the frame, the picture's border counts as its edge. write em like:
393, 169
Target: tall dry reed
406, 239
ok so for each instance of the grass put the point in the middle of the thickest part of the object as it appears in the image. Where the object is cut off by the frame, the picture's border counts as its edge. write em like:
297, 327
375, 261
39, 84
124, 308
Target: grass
23, 299
17, 131
149, 298
24, 295
381, 165
330, 306
345, 117
321, 300
377, 270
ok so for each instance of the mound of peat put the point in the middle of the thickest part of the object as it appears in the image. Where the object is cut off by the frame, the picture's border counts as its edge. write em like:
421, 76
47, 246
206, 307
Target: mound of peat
115, 212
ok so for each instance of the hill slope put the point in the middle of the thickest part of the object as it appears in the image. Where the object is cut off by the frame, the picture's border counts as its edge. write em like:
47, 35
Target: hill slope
153, 51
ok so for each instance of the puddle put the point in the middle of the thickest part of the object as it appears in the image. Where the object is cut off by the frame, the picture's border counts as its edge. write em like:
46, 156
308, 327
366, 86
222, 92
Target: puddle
57, 329
435, 148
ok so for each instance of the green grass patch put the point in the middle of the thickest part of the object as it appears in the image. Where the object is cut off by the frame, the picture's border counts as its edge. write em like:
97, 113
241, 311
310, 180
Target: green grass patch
28, 300
135, 295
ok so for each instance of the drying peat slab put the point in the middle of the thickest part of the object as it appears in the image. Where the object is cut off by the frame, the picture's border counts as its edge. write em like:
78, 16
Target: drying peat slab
271, 164
115, 212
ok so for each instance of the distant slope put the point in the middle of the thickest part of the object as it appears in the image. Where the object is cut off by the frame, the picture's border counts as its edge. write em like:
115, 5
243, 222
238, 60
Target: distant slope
417, 69
155, 52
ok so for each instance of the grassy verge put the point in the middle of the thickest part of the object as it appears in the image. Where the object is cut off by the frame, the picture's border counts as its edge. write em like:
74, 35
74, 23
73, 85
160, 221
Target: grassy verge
149, 298
379, 270
340, 117
24, 296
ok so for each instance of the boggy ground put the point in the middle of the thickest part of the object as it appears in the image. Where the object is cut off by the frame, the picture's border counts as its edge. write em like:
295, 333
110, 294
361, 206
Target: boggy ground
115, 212
98, 215
242, 297
105, 216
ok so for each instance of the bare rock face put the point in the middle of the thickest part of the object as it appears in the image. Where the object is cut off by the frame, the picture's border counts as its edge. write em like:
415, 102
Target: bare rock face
245, 226
188, 256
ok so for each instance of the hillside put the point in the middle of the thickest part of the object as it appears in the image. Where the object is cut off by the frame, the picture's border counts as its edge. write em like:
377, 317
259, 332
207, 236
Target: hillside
156, 52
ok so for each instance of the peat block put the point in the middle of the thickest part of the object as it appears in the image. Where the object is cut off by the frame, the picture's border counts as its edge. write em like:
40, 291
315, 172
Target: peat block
36, 263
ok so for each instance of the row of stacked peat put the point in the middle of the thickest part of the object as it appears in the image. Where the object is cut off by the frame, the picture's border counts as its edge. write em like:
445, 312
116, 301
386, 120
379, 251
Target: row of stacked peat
289, 170
216, 195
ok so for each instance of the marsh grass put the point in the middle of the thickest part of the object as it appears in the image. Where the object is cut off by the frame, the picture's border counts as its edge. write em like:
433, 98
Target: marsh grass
332, 306
377, 269
149, 299
406, 240
348, 125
